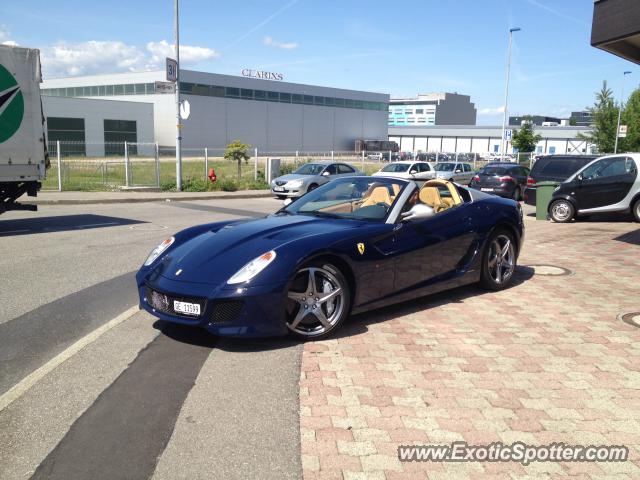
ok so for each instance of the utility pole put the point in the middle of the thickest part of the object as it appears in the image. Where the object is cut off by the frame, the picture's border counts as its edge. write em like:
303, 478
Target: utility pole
176, 28
624, 76
506, 92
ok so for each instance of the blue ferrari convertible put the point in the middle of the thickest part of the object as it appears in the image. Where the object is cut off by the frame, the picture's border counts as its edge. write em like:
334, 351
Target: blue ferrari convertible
349, 246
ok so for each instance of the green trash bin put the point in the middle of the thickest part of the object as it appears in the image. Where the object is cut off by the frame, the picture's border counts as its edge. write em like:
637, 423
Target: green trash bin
544, 192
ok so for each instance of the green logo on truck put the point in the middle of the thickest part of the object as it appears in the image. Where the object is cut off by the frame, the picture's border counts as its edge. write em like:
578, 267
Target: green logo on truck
11, 105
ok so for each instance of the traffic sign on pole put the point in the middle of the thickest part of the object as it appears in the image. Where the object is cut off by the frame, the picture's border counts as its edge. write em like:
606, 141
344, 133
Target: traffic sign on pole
172, 70
508, 134
622, 131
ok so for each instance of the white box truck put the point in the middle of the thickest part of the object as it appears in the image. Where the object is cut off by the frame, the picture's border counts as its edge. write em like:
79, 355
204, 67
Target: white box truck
23, 149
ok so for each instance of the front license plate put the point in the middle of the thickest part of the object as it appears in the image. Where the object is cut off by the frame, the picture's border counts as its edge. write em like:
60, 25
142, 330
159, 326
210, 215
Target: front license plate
187, 308
486, 189
278, 189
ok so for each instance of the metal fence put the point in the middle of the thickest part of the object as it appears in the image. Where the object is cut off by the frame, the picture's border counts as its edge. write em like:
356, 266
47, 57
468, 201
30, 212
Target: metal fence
118, 165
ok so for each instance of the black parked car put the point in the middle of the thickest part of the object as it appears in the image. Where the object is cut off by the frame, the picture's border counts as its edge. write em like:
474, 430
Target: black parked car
553, 168
606, 185
504, 179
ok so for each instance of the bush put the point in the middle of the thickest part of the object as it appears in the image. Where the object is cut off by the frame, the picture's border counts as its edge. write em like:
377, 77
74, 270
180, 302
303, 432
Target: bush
286, 168
228, 185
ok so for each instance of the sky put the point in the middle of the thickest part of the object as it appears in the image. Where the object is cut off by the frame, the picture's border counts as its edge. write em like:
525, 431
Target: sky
403, 48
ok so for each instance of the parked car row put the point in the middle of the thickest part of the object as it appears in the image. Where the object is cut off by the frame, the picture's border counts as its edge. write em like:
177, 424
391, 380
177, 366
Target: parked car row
587, 184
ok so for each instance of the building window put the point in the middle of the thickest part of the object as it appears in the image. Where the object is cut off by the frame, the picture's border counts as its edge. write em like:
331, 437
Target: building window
70, 133
116, 132
259, 95
273, 96
308, 99
285, 97
231, 92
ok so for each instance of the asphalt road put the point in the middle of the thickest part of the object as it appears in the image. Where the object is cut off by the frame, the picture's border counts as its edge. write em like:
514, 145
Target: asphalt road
88, 393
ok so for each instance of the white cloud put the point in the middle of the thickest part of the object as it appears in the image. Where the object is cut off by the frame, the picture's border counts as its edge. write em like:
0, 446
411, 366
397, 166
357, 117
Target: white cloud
92, 57
96, 57
491, 111
189, 55
5, 38
270, 42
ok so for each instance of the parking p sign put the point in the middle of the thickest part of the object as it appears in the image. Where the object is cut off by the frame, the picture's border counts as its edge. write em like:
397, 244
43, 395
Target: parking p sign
508, 134
172, 70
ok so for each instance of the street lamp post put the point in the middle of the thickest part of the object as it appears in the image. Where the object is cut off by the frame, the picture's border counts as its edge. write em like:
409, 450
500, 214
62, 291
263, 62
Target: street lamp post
506, 93
624, 76
178, 123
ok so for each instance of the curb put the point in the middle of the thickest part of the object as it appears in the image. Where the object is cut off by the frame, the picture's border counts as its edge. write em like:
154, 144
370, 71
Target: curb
145, 200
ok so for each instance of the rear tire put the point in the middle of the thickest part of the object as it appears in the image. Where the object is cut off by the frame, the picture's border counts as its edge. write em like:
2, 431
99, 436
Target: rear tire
499, 261
562, 211
636, 210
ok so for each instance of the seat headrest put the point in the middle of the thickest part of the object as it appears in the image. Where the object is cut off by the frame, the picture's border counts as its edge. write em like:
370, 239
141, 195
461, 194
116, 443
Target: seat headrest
430, 196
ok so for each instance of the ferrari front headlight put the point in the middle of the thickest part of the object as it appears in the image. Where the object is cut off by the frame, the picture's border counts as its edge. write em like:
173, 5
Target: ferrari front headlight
253, 268
159, 250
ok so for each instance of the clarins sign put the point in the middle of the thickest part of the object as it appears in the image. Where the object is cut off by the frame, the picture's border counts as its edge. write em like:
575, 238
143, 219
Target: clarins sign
247, 72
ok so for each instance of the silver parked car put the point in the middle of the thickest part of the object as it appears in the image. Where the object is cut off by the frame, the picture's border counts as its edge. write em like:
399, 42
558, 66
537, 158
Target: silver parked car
455, 172
407, 169
310, 176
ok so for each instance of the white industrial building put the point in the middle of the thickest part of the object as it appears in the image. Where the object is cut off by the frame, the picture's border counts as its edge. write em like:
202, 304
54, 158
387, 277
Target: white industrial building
485, 139
272, 116
91, 127
432, 109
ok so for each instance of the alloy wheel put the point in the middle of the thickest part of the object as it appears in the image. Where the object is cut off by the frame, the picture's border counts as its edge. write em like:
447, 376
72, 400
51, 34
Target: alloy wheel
317, 301
501, 259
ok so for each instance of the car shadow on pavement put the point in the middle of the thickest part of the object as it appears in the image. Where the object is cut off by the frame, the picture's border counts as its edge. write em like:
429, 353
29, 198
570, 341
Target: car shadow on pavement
61, 223
200, 337
632, 237
358, 324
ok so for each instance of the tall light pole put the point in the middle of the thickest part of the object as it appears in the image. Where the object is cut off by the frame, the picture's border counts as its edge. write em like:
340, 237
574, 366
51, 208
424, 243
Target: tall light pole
176, 28
506, 92
624, 76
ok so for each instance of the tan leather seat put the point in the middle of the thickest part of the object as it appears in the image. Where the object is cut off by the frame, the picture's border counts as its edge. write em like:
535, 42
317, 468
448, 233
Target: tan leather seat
431, 196
447, 202
378, 195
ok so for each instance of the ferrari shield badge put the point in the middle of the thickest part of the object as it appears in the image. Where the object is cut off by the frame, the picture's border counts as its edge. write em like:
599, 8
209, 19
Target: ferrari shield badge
361, 248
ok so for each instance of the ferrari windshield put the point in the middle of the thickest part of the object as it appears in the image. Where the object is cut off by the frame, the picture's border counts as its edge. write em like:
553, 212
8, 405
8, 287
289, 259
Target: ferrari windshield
310, 169
363, 198
396, 167
445, 167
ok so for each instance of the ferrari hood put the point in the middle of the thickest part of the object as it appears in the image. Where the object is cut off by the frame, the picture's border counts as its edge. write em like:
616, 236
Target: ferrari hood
214, 256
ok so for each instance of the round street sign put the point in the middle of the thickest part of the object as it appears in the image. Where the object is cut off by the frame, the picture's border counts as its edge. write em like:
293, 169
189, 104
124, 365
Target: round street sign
185, 109
11, 105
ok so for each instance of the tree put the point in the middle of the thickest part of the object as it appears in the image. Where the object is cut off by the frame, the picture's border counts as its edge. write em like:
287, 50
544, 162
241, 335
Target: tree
526, 139
631, 118
605, 118
237, 151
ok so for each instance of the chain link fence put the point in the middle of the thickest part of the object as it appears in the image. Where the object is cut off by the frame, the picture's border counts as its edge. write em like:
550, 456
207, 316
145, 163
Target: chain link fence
121, 165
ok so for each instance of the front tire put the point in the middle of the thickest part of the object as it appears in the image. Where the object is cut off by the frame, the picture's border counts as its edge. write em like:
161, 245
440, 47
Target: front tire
498, 261
636, 210
312, 187
318, 301
562, 211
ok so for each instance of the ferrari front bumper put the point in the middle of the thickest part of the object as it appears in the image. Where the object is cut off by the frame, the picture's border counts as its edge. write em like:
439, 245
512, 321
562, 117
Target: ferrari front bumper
253, 311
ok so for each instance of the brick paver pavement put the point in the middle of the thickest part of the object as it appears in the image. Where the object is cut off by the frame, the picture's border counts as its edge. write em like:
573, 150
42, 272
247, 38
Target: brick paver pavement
544, 361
